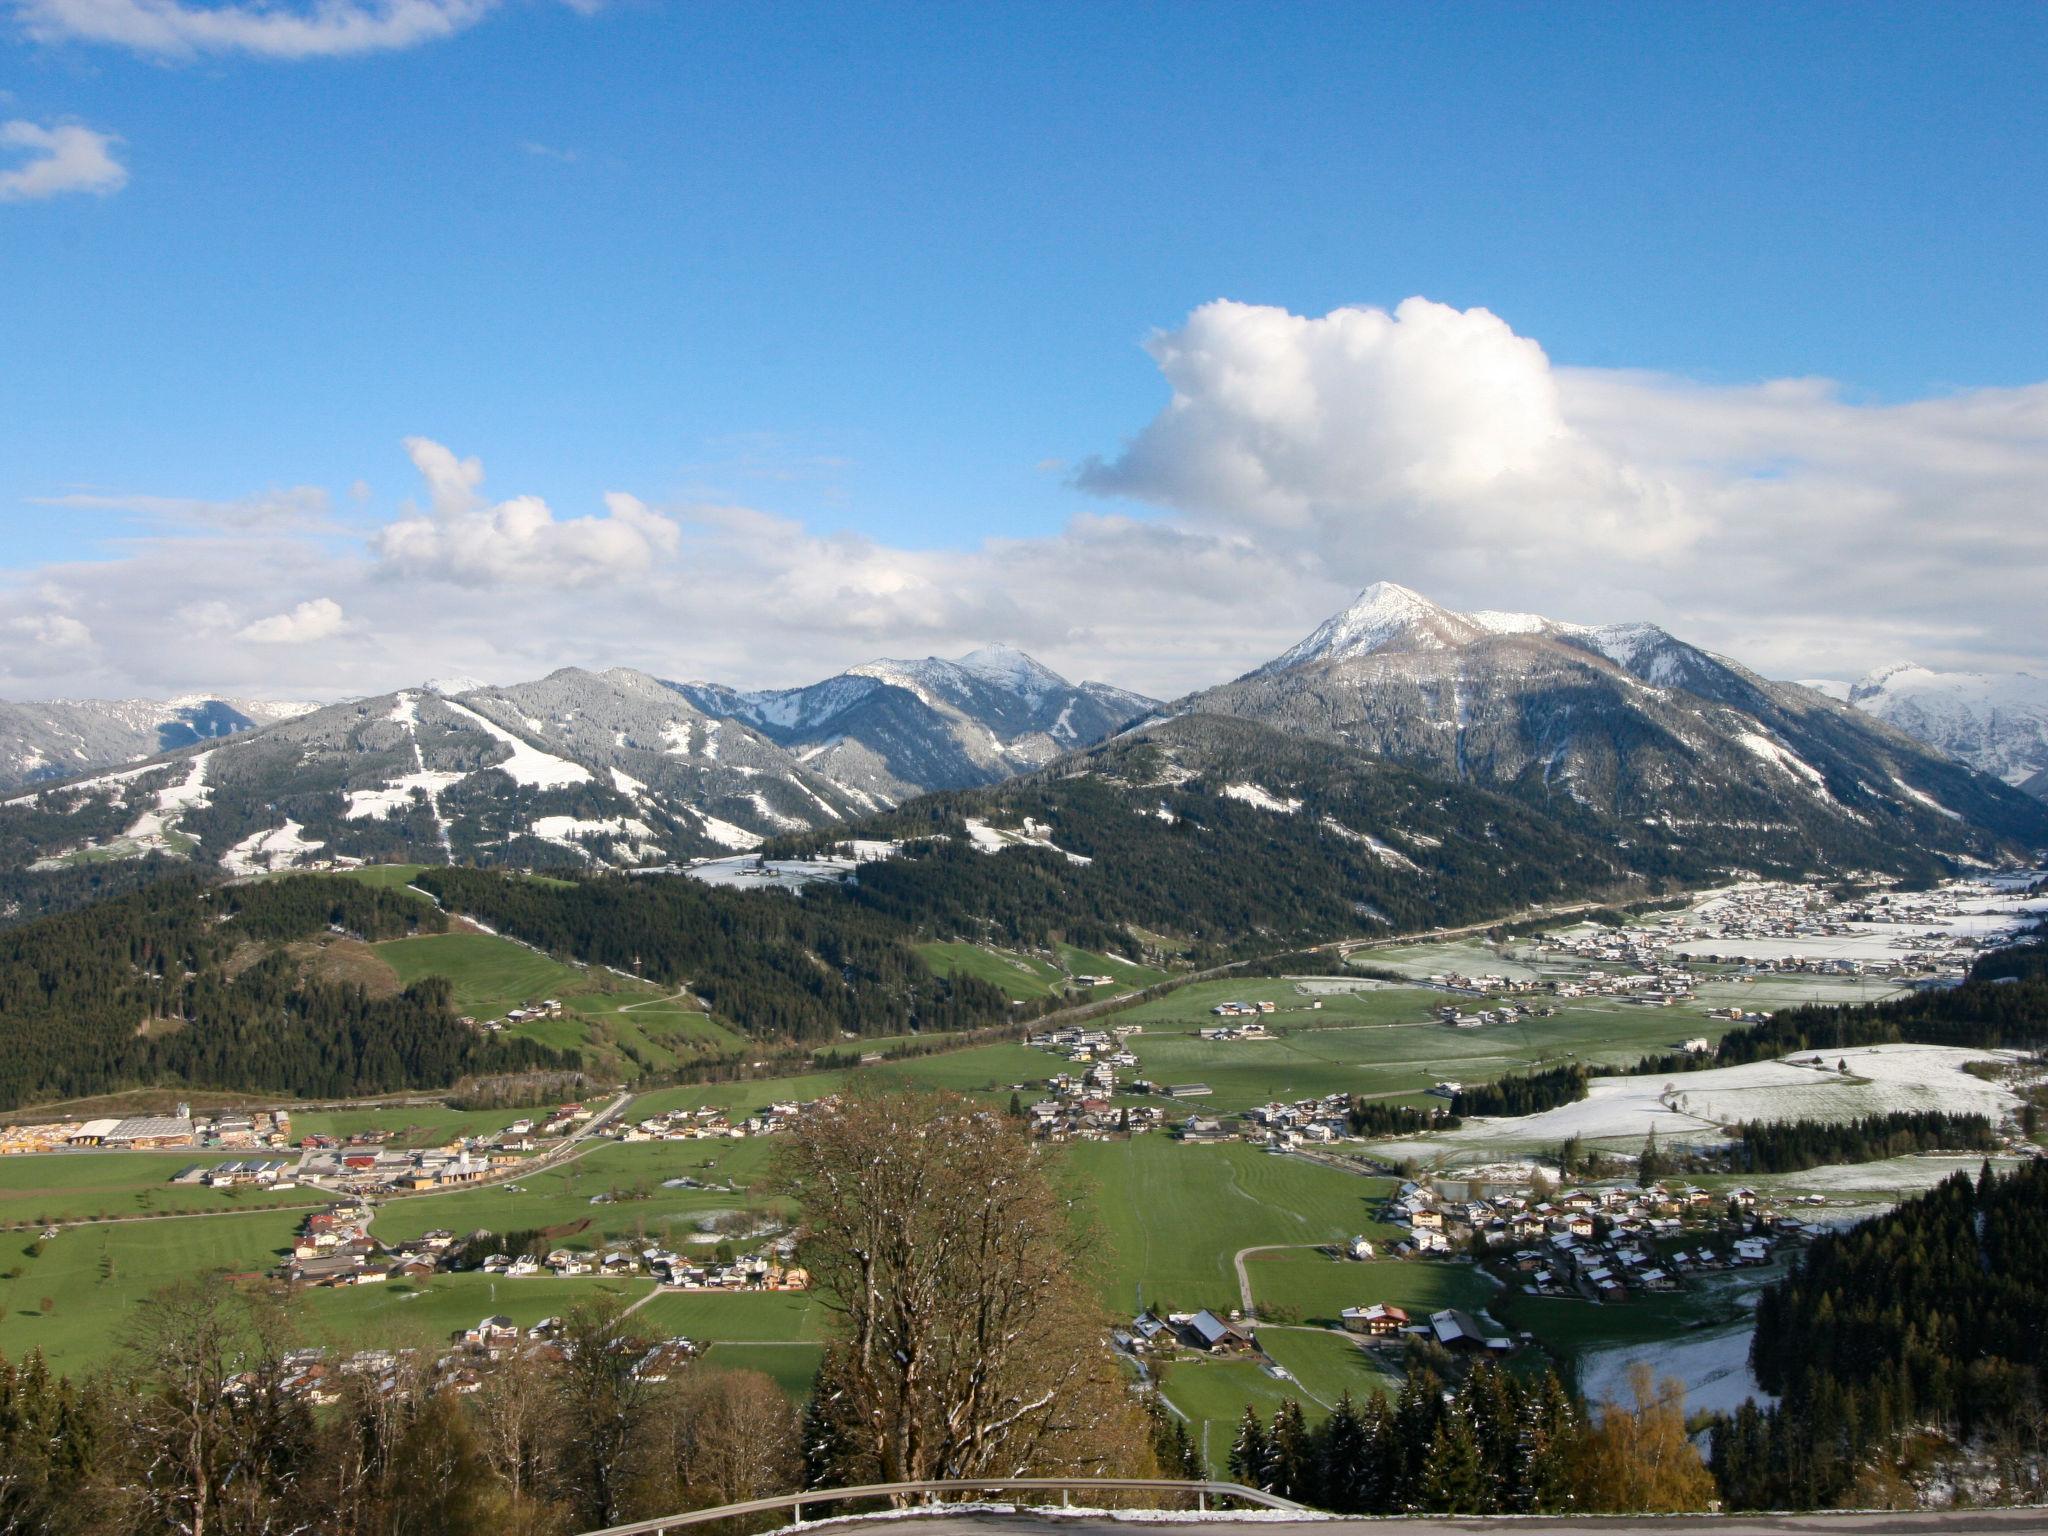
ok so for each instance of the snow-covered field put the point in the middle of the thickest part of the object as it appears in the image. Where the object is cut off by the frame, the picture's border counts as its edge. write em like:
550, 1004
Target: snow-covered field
1714, 1368
1691, 1106
990, 839
747, 873
277, 848
1263, 798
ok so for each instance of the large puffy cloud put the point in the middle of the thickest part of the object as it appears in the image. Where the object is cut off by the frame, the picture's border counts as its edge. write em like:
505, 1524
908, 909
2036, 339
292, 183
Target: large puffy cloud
332, 28
1296, 460
1428, 422
60, 159
463, 539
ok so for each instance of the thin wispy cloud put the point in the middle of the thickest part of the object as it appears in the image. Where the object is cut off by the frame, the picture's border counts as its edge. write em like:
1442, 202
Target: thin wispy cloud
51, 161
169, 30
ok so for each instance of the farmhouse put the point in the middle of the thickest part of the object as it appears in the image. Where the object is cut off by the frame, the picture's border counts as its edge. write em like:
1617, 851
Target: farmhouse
1205, 1330
1376, 1321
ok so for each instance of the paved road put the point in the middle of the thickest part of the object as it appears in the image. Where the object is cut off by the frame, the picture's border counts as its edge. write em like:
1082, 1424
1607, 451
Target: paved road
1969, 1522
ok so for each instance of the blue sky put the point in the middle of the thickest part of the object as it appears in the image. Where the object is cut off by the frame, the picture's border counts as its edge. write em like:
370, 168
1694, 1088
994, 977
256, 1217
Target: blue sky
887, 272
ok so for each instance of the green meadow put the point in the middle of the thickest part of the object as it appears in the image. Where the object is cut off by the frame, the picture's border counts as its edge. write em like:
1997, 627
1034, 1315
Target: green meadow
1315, 1289
74, 1296
1171, 1218
43, 1187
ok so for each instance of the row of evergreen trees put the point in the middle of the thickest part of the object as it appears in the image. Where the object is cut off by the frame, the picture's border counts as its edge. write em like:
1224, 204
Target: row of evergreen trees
1523, 1093
1493, 1443
1788, 1146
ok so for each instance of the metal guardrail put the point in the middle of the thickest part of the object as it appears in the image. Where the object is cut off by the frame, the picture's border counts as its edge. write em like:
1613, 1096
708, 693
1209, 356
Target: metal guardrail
1064, 1486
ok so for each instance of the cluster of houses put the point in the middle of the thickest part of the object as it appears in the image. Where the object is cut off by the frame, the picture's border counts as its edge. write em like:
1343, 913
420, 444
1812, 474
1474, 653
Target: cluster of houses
1508, 1013
376, 1170
546, 1008
1456, 1330
1088, 1046
334, 1247
241, 1173
1603, 1244
232, 1130
754, 1272
712, 1124
1150, 1333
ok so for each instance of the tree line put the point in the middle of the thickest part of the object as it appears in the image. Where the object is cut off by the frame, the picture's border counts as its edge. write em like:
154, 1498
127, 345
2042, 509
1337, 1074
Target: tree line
1790, 1146
1494, 1443
1523, 1093
1914, 1337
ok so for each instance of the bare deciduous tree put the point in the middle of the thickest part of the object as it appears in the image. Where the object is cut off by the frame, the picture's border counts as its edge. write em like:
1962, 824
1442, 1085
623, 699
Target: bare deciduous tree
969, 1343
210, 1442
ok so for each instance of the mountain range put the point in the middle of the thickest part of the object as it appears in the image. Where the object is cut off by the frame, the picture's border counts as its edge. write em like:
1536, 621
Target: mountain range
1621, 736
60, 738
892, 729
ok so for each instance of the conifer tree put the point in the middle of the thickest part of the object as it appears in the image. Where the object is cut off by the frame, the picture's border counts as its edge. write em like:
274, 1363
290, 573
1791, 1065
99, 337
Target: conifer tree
1251, 1455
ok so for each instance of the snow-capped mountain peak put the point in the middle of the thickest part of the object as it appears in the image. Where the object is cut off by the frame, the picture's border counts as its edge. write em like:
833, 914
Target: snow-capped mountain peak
1996, 722
1008, 667
1386, 616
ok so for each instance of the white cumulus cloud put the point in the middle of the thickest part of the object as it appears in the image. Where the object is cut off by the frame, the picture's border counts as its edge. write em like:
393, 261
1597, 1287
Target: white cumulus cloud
463, 539
326, 29
1366, 426
315, 619
59, 159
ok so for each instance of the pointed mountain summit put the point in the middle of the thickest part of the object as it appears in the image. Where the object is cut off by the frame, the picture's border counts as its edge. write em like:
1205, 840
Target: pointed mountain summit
1624, 721
1386, 617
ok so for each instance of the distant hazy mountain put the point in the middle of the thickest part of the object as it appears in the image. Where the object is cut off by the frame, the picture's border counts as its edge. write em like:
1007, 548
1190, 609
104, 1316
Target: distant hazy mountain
61, 738
1627, 721
888, 730
1995, 722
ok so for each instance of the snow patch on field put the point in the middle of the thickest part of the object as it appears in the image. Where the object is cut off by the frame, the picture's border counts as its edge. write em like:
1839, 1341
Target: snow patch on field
278, 848
1696, 1106
990, 839
1264, 799
396, 794
773, 817
1714, 1368
772, 874
528, 764
726, 834
626, 784
569, 831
